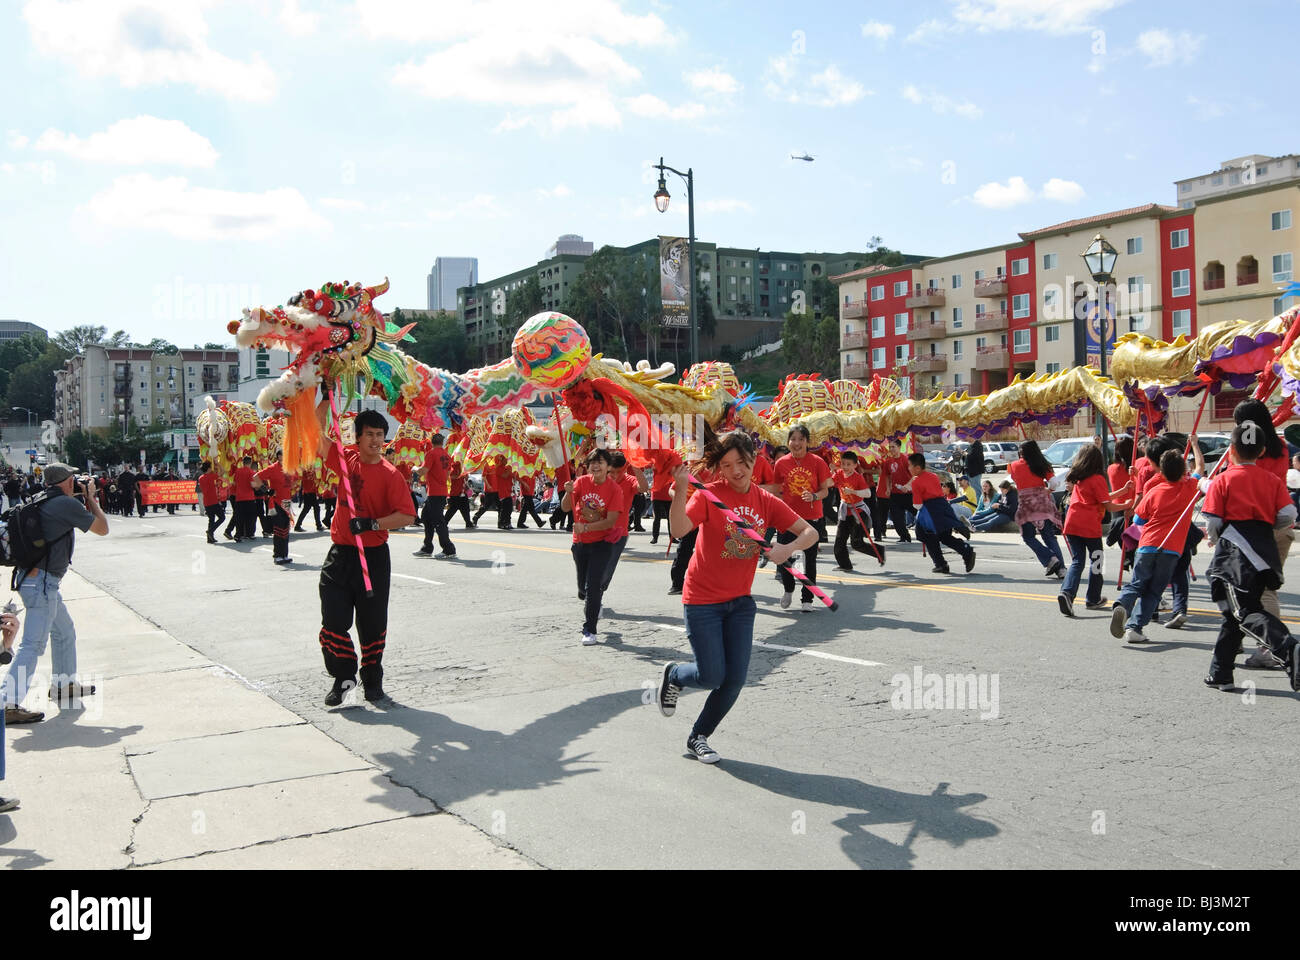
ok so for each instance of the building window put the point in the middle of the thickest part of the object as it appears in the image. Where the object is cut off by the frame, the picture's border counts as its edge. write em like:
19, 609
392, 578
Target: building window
1137, 323
956, 349
1184, 188
1177, 239
878, 357
1020, 267
878, 293
956, 318
1181, 280
1182, 323
1281, 220
901, 353
731, 280
1049, 261
981, 343
848, 358
958, 380
1134, 245
1049, 297
1135, 285
900, 323
1281, 267
1261, 169
877, 327
1020, 306
732, 295
1234, 179
1052, 334
979, 275
1022, 341
1216, 180
900, 288
956, 281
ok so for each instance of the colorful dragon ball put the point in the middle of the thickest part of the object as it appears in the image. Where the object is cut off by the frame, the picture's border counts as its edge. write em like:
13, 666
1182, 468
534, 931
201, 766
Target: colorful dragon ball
551, 350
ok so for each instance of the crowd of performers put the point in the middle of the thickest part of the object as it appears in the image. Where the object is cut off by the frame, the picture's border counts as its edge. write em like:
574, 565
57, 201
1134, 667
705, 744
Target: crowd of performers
738, 508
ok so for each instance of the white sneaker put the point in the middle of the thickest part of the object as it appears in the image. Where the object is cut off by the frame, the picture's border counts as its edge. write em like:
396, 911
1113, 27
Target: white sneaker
786, 599
1176, 621
1134, 636
589, 639
808, 606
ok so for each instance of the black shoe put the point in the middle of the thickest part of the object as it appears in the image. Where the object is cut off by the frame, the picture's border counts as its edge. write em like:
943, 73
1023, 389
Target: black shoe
230, 536
582, 594
423, 552
335, 696
969, 560
668, 693
700, 750
1118, 617
71, 691
1066, 604
1293, 667
211, 539
674, 591
8, 803
14, 715
940, 570
1224, 685
281, 561
374, 692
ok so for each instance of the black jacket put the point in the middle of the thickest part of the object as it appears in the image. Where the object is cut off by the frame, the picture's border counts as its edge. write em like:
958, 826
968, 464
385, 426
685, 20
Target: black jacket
1246, 556
975, 459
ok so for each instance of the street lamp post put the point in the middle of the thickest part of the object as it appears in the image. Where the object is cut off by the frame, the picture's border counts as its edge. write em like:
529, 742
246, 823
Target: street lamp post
1100, 259
661, 204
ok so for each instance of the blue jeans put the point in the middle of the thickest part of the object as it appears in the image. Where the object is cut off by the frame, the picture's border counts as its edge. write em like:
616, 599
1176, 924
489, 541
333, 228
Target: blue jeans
977, 481
990, 520
1049, 549
1180, 582
46, 617
1152, 571
722, 637
1086, 550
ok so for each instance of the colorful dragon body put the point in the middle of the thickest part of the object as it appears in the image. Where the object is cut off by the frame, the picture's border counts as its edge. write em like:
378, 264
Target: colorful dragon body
337, 334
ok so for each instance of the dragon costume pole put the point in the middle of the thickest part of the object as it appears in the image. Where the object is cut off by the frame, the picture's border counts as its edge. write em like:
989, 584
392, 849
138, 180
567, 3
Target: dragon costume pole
345, 478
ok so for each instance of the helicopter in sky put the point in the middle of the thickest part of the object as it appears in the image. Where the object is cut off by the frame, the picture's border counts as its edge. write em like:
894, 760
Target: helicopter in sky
802, 156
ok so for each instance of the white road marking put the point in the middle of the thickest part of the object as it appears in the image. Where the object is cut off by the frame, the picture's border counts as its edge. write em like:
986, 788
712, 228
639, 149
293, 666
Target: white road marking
811, 653
407, 576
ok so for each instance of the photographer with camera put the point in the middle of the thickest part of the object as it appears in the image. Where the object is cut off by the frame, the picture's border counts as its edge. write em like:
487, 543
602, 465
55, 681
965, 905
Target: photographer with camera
62, 514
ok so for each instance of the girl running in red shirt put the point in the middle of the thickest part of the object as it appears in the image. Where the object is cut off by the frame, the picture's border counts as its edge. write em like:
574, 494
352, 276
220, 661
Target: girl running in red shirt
717, 605
1036, 514
1090, 498
596, 501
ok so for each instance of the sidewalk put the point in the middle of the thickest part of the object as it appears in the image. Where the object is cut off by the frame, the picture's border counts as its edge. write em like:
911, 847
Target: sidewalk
177, 762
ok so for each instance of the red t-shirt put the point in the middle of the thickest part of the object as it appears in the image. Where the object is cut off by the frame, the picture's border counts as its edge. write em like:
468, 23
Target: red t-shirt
1246, 491
243, 477
898, 472
1143, 471
592, 504
764, 472
1276, 465
925, 486
1083, 519
502, 480
275, 478
722, 567
437, 466
661, 488
1023, 477
1164, 508
630, 489
806, 473
309, 482
847, 483
527, 485
1117, 474
563, 474
377, 489
208, 487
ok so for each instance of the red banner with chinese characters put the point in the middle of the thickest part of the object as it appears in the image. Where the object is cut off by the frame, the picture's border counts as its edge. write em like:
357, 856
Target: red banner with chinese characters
168, 491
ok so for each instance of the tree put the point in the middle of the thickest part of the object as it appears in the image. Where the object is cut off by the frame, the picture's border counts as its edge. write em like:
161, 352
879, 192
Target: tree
609, 300
14, 353
32, 383
76, 339
523, 303
439, 340
159, 345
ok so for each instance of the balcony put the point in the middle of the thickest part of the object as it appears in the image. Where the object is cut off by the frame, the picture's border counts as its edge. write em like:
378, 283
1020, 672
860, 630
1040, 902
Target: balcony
1213, 283
122, 389
211, 386
991, 358
856, 371
934, 363
929, 297
991, 287
853, 310
925, 330
854, 341
1246, 279
993, 320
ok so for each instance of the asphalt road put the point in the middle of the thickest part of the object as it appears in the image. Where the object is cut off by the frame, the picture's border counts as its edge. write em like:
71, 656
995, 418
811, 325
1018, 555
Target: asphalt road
1097, 754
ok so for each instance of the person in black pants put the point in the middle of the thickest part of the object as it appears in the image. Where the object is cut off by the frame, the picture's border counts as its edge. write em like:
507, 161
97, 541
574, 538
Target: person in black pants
382, 502
310, 500
437, 480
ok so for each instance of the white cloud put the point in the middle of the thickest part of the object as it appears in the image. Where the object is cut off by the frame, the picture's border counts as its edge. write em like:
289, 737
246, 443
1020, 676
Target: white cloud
1208, 108
15, 139
140, 140
144, 43
998, 196
727, 205
341, 203
829, 88
521, 54
1062, 191
481, 205
1162, 49
555, 192
648, 105
299, 22
714, 80
874, 30
933, 31
171, 205
941, 103
1049, 16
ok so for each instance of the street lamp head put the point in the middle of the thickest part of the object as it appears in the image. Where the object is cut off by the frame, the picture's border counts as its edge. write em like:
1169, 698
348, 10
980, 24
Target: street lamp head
662, 196
1100, 258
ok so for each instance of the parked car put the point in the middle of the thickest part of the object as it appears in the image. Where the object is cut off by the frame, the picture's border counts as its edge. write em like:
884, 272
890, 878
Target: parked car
936, 456
999, 453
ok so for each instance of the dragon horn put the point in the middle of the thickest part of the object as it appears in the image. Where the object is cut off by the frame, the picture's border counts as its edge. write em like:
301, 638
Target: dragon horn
378, 289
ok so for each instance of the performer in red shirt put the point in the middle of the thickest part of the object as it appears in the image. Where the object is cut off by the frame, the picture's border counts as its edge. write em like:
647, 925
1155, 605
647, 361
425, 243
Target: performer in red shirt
899, 499
527, 502
437, 487
716, 603
596, 500
852, 486
935, 520
633, 483
214, 506
490, 498
245, 501
379, 501
457, 500
274, 479
563, 474
309, 491
1090, 498
805, 481
661, 496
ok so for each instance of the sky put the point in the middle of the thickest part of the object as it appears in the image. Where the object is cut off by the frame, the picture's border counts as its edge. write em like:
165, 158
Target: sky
168, 162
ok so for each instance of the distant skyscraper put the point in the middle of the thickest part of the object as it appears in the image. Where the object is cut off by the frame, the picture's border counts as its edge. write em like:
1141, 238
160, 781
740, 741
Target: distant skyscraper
571, 243
447, 275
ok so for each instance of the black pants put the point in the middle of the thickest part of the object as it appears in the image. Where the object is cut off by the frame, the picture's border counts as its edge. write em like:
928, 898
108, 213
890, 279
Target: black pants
435, 522
612, 565
309, 502
526, 506
809, 562
343, 597
329, 510
455, 505
949, 540
491, 500
280, 521
660, 508
232, 528
898, 504
1244, 616
215, 516
245, 518
636, 513
685, 550
845, 531
591, 561
139, 502
562, 519
264, 516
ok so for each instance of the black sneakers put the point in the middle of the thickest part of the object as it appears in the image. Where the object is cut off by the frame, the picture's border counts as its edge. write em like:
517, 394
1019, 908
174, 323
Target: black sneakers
374, 692
668, 692
700, 750
1066, 605
335, 696
8, 803
969, 559
1214, 684
1118, 617
1293, 667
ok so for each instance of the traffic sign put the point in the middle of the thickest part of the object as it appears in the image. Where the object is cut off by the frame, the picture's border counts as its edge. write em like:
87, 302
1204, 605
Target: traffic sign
31, 453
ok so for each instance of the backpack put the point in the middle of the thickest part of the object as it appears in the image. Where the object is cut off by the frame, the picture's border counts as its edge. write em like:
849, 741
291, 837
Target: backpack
22, 537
